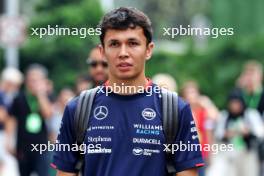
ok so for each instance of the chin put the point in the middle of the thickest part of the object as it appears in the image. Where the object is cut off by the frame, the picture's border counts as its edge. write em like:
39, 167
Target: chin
100, 80
126, 76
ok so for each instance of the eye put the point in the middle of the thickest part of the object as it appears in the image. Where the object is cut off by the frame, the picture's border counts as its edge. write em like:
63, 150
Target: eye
114, 44
132, 43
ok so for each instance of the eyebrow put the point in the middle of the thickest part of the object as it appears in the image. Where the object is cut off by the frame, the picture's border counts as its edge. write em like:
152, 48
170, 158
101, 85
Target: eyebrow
129, 39
133, 39
113, 40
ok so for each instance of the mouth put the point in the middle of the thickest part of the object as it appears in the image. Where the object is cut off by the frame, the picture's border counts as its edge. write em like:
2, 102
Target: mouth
124, 66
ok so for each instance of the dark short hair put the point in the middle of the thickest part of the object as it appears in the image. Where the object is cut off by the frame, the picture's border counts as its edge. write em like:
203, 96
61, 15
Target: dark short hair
123, 18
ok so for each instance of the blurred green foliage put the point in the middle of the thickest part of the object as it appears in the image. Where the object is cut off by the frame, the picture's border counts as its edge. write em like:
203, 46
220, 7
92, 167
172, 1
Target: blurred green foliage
246, 17
215, 69
64, 56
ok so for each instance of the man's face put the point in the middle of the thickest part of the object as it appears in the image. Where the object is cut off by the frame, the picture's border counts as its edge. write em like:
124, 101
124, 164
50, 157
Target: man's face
98, 66
9, 86
126, 52
191, 94
235, 106
36, 82
252, 79
65, 96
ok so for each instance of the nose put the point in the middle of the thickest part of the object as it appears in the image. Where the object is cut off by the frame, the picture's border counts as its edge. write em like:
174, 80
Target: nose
99, 68
123, 54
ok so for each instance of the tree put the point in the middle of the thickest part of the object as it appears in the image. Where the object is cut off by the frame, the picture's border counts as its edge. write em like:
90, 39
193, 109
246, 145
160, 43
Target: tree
64, 56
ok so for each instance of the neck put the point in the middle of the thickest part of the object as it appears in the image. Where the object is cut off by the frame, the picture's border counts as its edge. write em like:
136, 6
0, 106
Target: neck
255, 89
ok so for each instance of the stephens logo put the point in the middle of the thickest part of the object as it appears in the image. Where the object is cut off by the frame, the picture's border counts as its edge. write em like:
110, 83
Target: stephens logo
148, 114
99, 139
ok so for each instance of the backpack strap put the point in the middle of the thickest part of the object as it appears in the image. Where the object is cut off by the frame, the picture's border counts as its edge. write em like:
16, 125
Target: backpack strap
81, 119
170, 123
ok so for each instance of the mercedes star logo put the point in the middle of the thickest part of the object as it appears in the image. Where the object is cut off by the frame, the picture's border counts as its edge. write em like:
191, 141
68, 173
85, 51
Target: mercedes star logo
100, 112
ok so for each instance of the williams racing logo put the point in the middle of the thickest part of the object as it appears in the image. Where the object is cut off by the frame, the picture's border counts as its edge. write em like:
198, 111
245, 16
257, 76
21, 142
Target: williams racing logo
147, 129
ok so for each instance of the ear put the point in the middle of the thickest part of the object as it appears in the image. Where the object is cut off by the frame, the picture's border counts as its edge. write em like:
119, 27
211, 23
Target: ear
101, 48
149, 50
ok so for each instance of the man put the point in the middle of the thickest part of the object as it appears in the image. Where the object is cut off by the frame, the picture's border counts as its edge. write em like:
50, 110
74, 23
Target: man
30, 109
120, 121
97, 67
204, 113
166, 81
250, 82
250, 86
11, 80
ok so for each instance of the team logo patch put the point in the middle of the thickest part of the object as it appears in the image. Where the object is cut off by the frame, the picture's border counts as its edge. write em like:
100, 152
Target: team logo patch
100, 112
148, 114
146, 152
137, 151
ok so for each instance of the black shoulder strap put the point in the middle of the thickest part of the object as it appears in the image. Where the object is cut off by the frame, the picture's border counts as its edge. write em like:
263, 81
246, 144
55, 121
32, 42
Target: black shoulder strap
81, 119
170, 122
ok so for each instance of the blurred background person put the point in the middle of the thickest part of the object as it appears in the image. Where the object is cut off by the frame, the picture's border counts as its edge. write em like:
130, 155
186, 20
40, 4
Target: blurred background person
97, 67
8, 164
3, 116
235, 126
166, 81
30, 108
4, 157
84, 82
250, 86
64, 96
50, 90
202, 109
54, 122
10, 82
